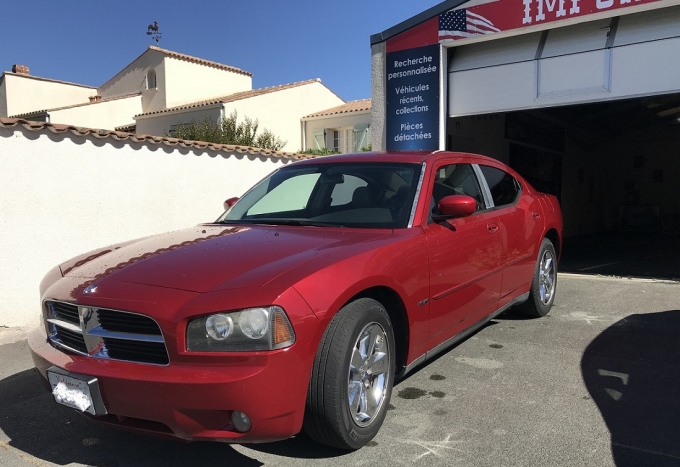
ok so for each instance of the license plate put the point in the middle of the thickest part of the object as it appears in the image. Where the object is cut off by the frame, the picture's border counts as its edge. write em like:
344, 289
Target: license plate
73, 390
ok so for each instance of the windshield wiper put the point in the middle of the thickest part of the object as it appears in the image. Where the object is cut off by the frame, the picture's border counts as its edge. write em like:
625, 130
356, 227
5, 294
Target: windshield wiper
300, 222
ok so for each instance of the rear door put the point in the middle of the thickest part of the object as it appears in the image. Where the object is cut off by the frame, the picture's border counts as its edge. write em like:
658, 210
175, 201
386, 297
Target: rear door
520, 219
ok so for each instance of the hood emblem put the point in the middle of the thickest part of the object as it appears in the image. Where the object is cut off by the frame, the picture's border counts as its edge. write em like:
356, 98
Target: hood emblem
90, 289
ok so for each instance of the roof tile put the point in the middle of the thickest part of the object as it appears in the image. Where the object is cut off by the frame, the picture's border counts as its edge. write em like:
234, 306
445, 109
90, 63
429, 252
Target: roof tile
232, 97
350, 107
145, 139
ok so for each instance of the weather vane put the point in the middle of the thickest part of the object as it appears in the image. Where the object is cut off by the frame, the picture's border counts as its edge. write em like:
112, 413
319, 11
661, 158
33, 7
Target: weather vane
153, 31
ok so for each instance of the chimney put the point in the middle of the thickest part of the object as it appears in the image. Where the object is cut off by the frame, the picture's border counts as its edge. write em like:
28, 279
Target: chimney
20, 69
95, 98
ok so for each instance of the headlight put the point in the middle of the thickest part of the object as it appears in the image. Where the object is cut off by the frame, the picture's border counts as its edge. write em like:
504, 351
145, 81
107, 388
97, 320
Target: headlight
266, 328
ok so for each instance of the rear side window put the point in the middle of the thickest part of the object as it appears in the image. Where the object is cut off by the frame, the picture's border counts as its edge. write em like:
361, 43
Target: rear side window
504, 188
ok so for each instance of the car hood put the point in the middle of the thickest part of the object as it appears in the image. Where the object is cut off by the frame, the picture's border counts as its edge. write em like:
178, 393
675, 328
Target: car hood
211, 258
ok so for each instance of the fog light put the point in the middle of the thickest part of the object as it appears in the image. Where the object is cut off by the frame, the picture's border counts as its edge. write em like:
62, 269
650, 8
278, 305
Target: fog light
240, 421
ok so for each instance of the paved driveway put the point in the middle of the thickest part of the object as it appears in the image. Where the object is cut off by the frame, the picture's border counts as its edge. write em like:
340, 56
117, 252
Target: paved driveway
593, 384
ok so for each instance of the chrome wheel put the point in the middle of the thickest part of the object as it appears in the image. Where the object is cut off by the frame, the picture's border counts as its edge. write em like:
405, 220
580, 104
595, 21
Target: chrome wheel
546, 278
368, 374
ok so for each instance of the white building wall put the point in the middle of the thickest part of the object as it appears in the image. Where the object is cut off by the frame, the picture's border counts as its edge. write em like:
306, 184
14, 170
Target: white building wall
63, 194
187, 82
132, 79
282, 111
105, 115
160, 124
25, 94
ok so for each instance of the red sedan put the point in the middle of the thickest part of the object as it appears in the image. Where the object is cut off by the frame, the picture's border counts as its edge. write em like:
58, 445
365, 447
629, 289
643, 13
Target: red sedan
302, 303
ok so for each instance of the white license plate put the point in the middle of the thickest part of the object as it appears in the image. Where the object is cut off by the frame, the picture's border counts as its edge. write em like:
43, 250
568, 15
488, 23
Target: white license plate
71, 392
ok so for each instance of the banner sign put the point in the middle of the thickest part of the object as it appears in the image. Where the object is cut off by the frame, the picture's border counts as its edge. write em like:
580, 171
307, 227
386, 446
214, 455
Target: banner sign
505, 15
477, 18
412, 99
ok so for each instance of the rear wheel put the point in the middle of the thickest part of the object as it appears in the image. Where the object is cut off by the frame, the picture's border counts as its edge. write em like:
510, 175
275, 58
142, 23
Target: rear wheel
544, 283
352, 377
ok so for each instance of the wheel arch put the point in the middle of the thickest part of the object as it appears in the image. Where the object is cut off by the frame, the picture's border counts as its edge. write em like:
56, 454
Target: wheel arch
554, 237
396, 310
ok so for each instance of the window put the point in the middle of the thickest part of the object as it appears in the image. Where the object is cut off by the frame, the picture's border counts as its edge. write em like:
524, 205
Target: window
341, 139
151, 79
457, 179
503, 186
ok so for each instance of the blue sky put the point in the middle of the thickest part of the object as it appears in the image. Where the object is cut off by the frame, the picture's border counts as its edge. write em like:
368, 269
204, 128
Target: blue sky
279, 42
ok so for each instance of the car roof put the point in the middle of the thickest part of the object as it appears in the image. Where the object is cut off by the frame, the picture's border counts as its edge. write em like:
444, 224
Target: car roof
399, 157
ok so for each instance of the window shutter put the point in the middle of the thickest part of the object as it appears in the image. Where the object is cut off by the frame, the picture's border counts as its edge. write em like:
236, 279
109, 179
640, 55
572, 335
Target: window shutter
361, 138
319, 139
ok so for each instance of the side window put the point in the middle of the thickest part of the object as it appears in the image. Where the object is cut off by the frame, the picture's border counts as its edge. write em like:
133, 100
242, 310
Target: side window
504, 188
456, 179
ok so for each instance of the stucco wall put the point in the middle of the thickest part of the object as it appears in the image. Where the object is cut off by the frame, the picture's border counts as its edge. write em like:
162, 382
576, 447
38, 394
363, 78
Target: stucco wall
106, 115
27, 94
281, 111
159, 124
132, 79
64, 194
378, 134
187, 82
278, 111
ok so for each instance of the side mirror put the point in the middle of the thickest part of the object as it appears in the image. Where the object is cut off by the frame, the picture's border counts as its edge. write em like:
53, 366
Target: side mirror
229, 203
454, 206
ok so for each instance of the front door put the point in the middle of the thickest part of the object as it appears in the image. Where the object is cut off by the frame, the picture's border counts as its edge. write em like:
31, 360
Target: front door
465, 254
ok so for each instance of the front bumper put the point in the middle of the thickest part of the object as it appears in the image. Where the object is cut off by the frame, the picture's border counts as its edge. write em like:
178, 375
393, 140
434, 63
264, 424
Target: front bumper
194, 401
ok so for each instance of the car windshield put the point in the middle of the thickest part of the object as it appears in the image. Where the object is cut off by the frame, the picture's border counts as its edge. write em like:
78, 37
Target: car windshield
365, 195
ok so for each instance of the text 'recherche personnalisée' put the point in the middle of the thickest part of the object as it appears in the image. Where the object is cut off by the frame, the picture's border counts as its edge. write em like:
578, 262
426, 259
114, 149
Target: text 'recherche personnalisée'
411, 94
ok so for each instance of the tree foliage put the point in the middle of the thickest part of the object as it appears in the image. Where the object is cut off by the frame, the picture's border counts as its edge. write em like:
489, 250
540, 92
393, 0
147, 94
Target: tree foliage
319, 152
229, 131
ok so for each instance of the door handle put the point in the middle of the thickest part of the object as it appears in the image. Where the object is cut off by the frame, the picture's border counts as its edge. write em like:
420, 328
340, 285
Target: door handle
536, 215
493, 228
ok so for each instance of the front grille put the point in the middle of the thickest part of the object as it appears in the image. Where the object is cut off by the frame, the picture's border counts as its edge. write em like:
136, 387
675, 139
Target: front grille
116, 321
71, 339
106, 333
136, 351
65, 311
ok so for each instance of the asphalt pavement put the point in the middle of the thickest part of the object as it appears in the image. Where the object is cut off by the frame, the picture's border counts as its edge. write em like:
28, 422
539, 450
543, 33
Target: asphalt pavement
595, 383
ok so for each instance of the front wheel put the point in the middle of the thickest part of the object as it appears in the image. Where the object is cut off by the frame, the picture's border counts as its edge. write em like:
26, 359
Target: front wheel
544, 283
352, 377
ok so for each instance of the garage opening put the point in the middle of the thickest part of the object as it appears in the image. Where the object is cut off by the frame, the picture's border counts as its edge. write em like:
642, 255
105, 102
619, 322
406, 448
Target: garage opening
615, 167
589, 112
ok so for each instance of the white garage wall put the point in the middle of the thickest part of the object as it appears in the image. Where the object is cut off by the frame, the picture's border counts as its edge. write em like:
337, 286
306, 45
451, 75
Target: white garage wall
65, 194
575, 66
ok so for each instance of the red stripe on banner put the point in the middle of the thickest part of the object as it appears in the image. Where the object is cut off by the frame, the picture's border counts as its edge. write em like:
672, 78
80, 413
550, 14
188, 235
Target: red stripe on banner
426, 33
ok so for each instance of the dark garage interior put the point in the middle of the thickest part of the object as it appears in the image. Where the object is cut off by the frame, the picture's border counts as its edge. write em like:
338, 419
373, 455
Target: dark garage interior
614, 166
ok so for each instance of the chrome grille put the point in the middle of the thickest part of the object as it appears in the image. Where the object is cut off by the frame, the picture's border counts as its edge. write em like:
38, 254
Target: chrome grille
66, 311
106, 333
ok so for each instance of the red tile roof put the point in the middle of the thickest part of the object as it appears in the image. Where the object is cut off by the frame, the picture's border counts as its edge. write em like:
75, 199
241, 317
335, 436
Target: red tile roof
233, 97
21, 75
41, 127
73, 106
200, 61
350, 107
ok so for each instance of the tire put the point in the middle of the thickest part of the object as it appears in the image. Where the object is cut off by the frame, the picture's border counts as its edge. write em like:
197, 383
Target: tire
355, 358
544, 283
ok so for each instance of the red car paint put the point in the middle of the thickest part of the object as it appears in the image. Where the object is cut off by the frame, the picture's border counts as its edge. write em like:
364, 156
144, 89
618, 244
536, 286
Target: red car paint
442, 278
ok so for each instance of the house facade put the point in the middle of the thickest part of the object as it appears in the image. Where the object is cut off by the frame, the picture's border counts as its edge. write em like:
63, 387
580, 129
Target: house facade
345, 128
161, 89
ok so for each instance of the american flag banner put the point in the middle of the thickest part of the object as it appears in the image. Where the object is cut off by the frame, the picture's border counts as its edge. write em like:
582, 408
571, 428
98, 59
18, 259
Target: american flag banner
462, 23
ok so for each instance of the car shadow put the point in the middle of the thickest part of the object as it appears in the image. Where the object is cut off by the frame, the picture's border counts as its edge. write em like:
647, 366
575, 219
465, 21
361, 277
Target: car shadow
631, 372
40, 428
